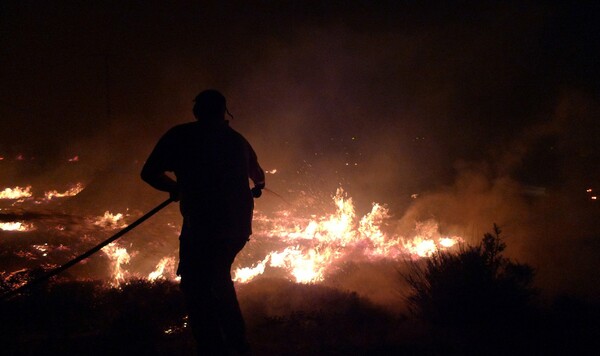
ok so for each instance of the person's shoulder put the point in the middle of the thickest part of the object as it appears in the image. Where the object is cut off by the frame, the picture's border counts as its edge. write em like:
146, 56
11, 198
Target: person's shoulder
235, 133
180, 129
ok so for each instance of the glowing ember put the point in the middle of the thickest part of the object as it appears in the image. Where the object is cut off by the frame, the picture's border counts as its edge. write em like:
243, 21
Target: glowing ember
16, 193
118, 256
76, 189
16, 226
42, 248
177, 328
273, 171
594, 197
316, 249
110, 221
74, 159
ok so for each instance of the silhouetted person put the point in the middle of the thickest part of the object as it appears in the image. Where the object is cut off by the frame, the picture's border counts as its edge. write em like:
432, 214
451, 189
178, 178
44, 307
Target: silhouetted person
212, 164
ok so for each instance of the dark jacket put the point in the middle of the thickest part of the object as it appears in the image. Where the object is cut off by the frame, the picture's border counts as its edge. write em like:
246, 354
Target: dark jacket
212, 163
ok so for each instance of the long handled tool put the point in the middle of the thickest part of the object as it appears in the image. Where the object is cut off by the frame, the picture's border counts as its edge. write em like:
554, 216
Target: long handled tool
79, 258
277, 195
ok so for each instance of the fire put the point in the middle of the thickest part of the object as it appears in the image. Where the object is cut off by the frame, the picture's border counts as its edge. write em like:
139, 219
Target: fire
16, 193
316, 246
305, 248
118, 256
159, 272
428, 240
447, 242
74, 190
273, 171
16, 226
74, 159
20, 193
245, 274
110, 221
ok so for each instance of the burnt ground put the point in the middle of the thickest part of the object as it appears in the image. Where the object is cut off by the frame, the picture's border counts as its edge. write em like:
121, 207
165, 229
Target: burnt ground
283, 318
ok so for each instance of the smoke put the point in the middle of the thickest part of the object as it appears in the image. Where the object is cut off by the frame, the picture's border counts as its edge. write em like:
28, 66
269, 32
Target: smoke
551, 226
482, 112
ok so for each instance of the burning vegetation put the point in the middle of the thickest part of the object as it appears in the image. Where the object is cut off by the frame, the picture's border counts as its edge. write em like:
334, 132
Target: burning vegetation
301, 248
314, 246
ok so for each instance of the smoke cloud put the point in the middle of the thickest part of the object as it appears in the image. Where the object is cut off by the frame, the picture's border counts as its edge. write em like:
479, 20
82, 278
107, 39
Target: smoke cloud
483, 112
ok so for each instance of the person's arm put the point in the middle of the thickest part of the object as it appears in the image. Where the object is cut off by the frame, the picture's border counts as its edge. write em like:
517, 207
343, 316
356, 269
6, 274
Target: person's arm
158, 163
255, 172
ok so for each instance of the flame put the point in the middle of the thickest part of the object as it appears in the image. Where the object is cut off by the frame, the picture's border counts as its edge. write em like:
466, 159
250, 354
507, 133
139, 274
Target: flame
428, 240
273, 171
118, 256
16, 193
16, 226
74, 159
307, 248
245, 274
110, 221
159, 272
317, 245
74, 190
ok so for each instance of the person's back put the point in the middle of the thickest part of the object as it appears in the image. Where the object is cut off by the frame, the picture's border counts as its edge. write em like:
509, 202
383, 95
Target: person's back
212, 164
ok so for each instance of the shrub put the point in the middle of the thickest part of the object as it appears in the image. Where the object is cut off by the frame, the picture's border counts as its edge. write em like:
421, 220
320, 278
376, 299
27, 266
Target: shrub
476, 286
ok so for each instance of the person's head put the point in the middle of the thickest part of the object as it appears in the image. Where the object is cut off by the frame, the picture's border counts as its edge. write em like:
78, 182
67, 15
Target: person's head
210, 105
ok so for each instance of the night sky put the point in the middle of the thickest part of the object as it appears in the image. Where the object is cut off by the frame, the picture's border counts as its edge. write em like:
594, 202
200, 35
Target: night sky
388, 99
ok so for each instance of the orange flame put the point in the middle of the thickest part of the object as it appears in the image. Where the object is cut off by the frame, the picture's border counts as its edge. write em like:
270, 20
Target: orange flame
110, 221
16, 193
118, 256
16, 226
160, 271
316, 248
76, 189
